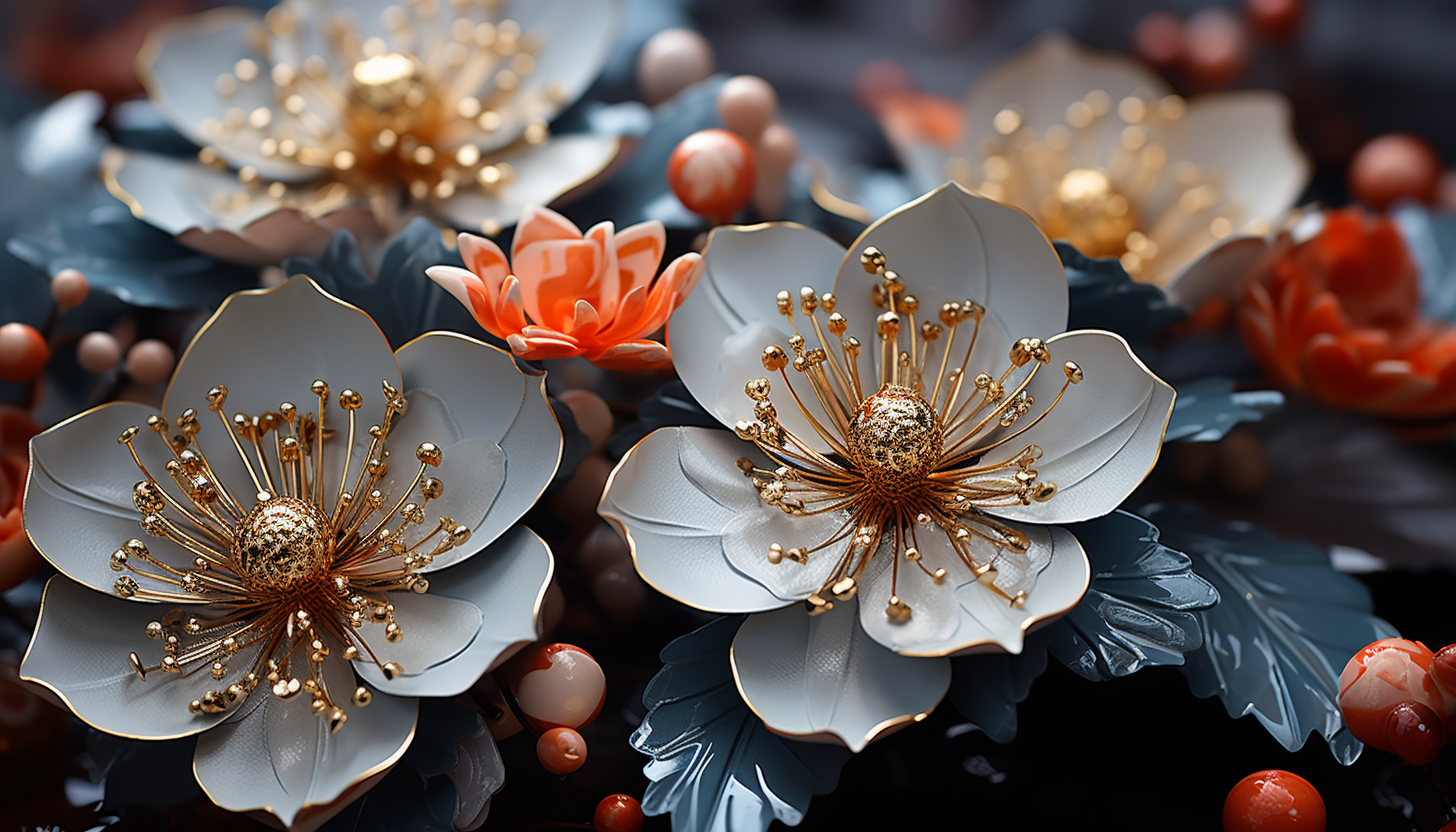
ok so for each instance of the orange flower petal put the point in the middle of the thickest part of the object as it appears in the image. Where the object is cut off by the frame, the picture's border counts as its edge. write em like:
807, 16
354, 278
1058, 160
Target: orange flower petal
477, 295
632, 355
554, 275
538, 224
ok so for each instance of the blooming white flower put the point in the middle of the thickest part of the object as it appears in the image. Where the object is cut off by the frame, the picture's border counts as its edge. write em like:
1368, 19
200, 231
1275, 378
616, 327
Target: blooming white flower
287, 547
907, 489
325, 114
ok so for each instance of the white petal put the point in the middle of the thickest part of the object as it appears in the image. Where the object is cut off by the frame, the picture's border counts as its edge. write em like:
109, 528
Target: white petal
491, 400
822, 678
718, 333
1223, 269
281, 759
746, 538
961, 615
543, 174
952, 245
79, 652
1046, 76
78, 505
267, 347
180, 67
671, 499
1102, 439
210, 210
505, 585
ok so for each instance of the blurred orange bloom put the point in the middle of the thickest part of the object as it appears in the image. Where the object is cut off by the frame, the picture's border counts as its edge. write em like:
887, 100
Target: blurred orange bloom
565, 293
18, 558
1338, 320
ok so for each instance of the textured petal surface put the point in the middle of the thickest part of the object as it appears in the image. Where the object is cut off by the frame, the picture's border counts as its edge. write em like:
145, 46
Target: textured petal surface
79, 652
822, 677
505, 586
543, 174
672, 497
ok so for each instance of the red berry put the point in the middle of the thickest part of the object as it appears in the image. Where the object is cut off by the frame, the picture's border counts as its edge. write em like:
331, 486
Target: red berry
1393, 167
618, 813
23, 352
1275, 19
1273, 801
712, 173
1415, 732
561, 750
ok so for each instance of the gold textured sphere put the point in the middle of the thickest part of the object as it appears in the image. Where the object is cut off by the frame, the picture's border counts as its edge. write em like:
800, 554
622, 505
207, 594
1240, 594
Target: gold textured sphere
895, 439
1088, 212
283, 543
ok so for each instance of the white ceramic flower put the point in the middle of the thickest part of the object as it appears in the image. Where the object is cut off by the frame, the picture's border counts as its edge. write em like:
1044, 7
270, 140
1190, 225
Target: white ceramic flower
1100, 152
324, 114
280, 561
913, 513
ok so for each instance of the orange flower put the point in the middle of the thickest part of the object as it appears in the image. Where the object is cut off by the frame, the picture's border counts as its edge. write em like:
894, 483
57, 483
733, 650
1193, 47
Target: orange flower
18, 558
565, 293
1338, 320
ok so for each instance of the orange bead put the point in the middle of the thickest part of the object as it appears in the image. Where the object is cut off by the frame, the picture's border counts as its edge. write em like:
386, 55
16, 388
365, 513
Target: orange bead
1273, 801
23, 353
561, 750
618, 813
1393, 167
712, 173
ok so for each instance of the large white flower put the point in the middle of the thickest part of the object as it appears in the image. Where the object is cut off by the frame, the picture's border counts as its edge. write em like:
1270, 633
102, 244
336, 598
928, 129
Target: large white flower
324, 114
274, 561
1098, 149
921, 501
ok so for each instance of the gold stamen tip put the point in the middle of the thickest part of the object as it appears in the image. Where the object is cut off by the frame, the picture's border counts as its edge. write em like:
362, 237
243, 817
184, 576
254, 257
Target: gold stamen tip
125, 586
429, 453
816, 605
432, 488
898, 611
287, 688
785, 304
318, 706
136, 663
320, 388
888, 325
845, 589
337, 718
351, 653
774, 358
775, 553
128, 435
362, 697
216, 397
1073, 371
392, 670
757, 389
873, 260
195, 707
939, 575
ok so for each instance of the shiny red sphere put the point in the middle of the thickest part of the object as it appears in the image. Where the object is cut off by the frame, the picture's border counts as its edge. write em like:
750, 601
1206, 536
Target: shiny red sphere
1415, 732
1275, 19
23, 353
1273, 801
712, 172
561, 750
1394, 167
557, 685
618, 813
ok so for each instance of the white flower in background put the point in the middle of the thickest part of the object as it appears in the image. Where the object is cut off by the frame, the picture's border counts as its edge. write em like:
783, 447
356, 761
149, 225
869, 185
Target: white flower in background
321, 533
1099, 151
324, 114
897, 501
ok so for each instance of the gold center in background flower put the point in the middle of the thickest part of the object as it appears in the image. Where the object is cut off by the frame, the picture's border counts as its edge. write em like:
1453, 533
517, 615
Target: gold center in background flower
907, 457
305, 567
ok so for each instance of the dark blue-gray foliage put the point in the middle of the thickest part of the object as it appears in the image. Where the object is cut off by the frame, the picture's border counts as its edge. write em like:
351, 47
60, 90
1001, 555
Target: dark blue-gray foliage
714, 764
1207, 409
671, 405
1101, 295
987, 688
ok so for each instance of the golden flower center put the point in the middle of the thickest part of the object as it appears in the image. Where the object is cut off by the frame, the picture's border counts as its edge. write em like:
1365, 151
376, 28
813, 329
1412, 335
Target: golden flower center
1088, 211
895, 438
283, 543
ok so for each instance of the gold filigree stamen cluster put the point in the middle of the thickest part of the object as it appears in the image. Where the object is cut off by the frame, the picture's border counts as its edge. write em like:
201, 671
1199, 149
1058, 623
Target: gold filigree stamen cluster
1117, 209
376, 118
305, 566
916, 453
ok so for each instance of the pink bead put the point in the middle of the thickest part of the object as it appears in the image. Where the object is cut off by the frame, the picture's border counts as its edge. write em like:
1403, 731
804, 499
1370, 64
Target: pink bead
1217, 47
576, 501
1393, 167
879, 80
620, 592
97, 352
557, 685
592, 414
23, 352
69, 287
150, 361
671, 60
1159, 39
747, 104
712, 172
561, 750
777, 149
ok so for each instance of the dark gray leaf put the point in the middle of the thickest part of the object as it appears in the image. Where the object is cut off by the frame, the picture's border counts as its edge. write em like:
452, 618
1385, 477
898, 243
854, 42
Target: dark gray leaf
1284, 629
986, 689
1208, 408
714, 764
1102, 296
1141, 608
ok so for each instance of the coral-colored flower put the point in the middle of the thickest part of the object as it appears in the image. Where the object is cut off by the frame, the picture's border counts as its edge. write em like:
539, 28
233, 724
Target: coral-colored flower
565, 293
1337, 320
18, 558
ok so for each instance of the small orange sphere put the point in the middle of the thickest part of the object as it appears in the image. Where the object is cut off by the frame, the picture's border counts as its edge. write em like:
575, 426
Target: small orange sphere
1393, 167
561, 750
618, 813
1273, 801
23, 353
712, 173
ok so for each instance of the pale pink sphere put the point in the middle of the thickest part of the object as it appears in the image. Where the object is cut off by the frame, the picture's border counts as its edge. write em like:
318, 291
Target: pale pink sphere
150, 361
592, 414
97, 352
778, 147
557, 685
880, 80
747, 105
69, 287
671, 60
1383, 675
